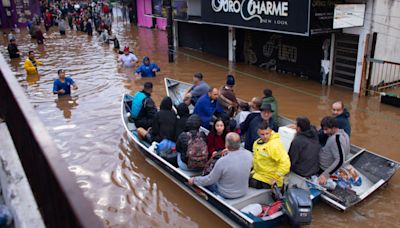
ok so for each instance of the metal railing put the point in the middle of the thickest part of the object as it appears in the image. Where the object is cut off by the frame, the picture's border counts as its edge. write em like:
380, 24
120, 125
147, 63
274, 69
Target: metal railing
58, 196
382, 76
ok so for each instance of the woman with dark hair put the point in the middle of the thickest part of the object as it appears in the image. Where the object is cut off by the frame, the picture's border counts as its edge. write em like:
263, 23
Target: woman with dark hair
216, 137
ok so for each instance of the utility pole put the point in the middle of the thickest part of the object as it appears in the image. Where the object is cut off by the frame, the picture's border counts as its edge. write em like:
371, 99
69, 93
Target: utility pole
171, 51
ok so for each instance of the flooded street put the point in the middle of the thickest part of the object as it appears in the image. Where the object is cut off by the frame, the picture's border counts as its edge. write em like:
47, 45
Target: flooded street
125, 190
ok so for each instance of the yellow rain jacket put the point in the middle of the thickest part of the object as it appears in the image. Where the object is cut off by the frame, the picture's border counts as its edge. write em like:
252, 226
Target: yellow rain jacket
270, 161
30, 68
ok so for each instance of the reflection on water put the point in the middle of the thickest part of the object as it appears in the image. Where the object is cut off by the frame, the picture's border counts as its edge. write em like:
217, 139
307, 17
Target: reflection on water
125, 190
66, 104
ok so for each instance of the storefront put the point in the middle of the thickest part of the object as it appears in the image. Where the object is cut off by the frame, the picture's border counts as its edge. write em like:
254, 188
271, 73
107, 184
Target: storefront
284, 35
17, 12
151, 14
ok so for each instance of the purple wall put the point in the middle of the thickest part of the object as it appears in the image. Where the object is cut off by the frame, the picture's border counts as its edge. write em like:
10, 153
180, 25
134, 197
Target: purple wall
145, 7
17, 11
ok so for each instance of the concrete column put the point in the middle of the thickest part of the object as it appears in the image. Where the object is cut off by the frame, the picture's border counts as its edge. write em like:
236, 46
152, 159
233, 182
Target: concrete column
231, 44
360, 59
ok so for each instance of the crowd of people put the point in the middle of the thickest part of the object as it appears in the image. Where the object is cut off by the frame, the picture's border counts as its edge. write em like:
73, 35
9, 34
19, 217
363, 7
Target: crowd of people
82, 16
228, 168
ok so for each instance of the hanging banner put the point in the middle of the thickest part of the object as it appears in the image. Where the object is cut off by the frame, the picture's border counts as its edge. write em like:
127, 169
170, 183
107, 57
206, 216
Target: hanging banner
284, 16
321, 16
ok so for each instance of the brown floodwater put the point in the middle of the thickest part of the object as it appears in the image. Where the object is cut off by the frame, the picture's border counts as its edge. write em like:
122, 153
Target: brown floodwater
125, 190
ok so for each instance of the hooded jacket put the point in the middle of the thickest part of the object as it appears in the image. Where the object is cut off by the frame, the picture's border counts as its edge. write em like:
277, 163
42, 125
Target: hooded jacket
30, 67
270, 160
193, 126
330, 157
164, 122
147, 112
147, 70
274, 105
183, 113
343, 122
304, 153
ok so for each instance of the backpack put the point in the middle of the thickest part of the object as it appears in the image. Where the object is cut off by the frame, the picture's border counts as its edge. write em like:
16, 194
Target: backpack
197, 152
137, 103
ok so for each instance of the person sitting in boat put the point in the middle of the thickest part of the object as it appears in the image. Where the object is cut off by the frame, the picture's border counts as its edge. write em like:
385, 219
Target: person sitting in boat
208, 106
340, 113
147, 69
143, 107
249, 127
269, 99
198, 89
227, 97
304, 149
163, 126
271, 162
245, 109
187, 140
335, 151
31, 63
128, 59
62, 86
216, 137
230, 175
183, 114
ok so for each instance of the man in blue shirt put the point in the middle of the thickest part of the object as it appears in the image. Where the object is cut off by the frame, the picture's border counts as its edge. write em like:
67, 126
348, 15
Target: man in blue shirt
208, 106
147, 69
62, 85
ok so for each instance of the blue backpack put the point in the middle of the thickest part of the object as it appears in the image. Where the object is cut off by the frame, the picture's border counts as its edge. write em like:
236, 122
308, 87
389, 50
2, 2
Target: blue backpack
137, 102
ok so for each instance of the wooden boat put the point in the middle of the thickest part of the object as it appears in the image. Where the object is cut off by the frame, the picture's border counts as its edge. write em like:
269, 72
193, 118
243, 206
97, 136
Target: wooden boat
374, 169
226, 209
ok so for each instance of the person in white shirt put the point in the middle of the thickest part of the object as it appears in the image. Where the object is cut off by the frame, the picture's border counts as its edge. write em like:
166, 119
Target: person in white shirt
128, 59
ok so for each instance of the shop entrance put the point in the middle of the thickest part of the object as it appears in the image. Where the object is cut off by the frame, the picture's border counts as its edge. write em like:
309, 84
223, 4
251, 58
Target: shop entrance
344, 69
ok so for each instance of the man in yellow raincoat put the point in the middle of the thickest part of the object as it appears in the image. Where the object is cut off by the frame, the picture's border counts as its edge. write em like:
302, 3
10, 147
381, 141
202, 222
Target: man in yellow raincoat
31, 63
271, 162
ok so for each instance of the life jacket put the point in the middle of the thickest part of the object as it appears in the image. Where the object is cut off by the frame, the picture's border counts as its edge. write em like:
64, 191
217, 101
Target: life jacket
197, 152
137, 103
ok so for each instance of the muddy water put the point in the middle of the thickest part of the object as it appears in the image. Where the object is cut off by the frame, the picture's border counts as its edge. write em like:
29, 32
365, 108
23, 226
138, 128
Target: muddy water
128, 192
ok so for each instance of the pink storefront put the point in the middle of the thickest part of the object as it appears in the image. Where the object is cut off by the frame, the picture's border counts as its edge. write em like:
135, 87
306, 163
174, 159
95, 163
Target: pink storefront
145, 10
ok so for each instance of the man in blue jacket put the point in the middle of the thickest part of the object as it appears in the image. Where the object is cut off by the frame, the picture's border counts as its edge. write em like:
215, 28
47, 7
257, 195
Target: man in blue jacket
340, 113
147, 69
207, 106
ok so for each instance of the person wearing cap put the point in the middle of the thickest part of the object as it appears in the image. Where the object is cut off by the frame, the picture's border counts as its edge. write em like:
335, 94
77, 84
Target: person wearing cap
128, 59
143, 108
270, 161
249, 128
62, 86
31, 63
227, 97
269, 99
13, 49
198, 89
147, 69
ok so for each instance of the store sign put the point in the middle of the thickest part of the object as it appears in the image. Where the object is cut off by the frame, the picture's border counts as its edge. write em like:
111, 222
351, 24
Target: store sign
287, 16
349, 15
321, 16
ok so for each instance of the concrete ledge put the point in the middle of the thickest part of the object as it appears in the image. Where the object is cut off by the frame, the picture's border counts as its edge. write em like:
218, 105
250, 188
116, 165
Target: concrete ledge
16, 190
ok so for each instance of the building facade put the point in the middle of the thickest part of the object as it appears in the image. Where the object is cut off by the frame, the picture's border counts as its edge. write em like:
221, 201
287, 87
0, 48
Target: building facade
17, 12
